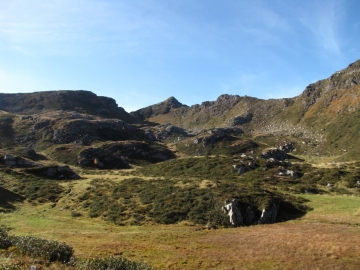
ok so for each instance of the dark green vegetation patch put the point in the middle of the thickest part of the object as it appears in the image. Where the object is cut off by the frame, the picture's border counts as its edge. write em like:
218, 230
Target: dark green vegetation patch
137, 201
18, 185
48, 250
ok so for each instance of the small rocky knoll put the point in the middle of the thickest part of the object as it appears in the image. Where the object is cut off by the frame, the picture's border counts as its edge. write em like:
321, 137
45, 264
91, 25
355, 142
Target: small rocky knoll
216, 141
55, 172
164, 132
278, 153
10, 160
36, 168
121, 154
215, 135
62, 127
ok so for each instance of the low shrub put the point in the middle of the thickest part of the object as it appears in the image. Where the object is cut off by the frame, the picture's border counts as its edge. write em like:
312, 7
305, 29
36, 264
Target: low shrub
113, 263
49, 250
5, 239
75, 214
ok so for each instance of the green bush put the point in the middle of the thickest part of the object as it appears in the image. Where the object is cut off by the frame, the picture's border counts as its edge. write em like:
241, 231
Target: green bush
5, 239
49, 250
114, 212
98, 206
112, 263
75, 214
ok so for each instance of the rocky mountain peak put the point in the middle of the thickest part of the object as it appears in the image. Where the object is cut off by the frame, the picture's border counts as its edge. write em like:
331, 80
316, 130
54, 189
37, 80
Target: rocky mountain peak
163, 107
173, 101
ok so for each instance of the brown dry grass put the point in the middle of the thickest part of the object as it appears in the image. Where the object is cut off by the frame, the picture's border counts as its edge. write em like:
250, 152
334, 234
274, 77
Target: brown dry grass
310, 243
280, 246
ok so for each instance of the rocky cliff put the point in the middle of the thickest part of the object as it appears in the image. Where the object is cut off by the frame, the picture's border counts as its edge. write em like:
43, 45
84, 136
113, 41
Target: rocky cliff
80, 101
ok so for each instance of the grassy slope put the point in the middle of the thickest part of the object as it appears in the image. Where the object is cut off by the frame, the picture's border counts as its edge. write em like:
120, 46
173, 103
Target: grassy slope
314, 241
334, 209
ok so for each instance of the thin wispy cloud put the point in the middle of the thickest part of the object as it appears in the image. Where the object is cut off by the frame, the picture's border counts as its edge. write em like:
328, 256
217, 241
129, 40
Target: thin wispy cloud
324, 22
54, 25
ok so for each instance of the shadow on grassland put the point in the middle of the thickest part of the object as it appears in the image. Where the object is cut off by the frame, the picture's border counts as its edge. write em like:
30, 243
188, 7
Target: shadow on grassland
8, 199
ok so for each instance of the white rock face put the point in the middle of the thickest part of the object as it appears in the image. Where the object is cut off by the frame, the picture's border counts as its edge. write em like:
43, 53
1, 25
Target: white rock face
234, 214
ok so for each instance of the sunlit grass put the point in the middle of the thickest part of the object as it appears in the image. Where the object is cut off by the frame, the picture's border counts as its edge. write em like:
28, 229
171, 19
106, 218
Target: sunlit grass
334, 209
332, 227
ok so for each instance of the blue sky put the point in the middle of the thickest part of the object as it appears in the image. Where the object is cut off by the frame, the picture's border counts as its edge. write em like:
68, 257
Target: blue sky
140, 52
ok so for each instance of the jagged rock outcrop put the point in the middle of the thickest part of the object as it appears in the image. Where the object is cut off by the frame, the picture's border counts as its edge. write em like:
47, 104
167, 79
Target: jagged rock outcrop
278, 153
241, 170
282, 171
245, 165
249, 217
274, 153
233, 211
269, 214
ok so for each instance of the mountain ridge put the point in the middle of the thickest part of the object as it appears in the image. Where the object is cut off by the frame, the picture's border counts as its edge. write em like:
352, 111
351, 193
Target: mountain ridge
324, 116
81, 101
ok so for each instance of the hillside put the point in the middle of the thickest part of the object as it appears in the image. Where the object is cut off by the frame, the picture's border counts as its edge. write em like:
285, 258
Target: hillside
173, 174
324, 115
80, 101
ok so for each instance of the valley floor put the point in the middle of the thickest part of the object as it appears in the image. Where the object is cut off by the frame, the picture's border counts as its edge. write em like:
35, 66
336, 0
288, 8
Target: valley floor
326, 238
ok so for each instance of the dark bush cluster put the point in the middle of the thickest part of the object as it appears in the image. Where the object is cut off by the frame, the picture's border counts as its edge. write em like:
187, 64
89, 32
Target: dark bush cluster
5, 239
203, 168
42, 191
